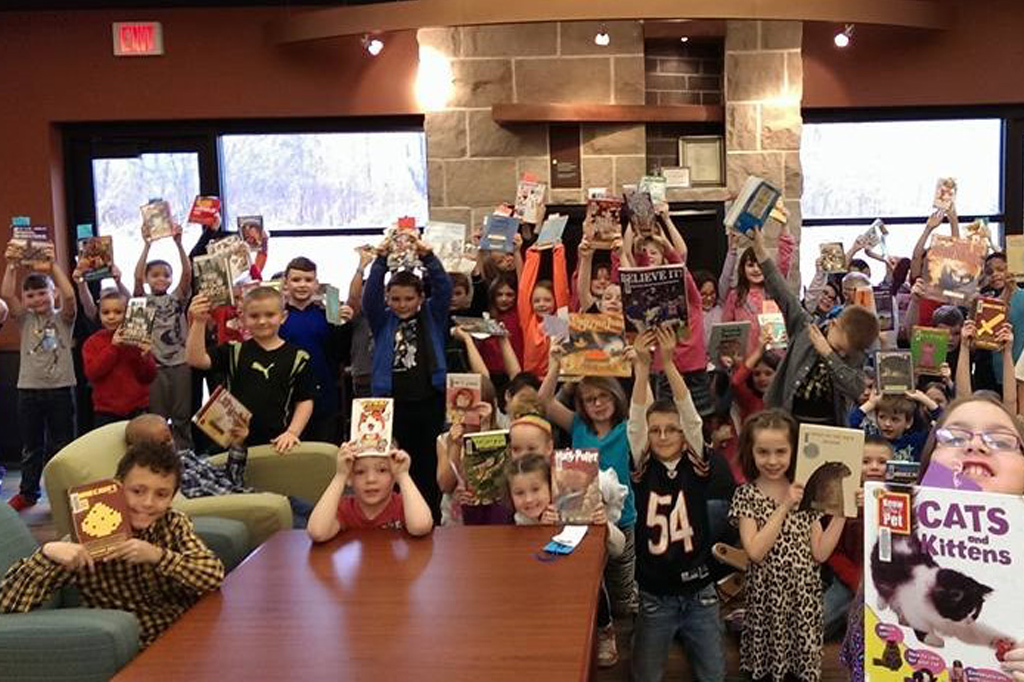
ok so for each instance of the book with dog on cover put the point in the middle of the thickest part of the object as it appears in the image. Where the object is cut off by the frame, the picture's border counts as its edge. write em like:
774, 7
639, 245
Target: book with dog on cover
99, 516
575, 489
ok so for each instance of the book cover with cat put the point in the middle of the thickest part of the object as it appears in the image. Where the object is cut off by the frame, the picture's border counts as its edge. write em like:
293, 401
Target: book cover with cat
605, 224
575, 489
656, 295
728, 339
500, 233
596, 346
139, 316
942, 590
483, 463
829, 464
989, 316
953, 268
221, 414
462, 393
213, 274
929, 347
833, 257
372, 425
156, 220
894, 371
99, 516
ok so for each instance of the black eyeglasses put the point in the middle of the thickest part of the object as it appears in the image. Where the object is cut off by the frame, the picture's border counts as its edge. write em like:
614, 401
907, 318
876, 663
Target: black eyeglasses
995, 440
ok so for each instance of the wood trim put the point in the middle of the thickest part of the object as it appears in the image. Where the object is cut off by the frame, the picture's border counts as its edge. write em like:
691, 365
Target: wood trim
414, 14
605, 113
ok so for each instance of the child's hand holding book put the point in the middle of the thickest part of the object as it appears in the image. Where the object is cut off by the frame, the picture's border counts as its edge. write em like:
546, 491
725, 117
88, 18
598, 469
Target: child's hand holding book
400, 463
70, 555
136, 551
346, 458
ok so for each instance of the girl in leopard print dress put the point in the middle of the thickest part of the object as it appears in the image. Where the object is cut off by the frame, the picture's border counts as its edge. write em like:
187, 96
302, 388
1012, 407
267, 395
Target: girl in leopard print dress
782, 630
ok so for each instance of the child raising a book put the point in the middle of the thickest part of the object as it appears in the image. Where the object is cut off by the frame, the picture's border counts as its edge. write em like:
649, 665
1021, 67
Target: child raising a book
373, 502
156, 575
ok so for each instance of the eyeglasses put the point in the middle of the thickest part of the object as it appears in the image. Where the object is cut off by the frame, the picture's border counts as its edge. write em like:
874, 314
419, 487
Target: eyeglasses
959, 438
665, 431
597, 398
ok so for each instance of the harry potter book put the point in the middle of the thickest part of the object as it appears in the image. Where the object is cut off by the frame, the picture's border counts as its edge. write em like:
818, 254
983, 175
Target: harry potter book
483, 463
222, 414
252, 231
99, 516
894, 371
575, 489
156, 220
753, 206
529, 206
829, 463
237, 253
204, 210
929, 346
137, 328
989, 316
953, 268
942, 597
605, 224
461, 397
596, 346
655, 296
372, 425
213, 273
499, 233
833, 257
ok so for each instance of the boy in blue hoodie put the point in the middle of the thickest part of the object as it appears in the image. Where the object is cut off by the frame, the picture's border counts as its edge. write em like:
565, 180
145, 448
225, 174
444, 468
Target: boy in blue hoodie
894, 421
409, 330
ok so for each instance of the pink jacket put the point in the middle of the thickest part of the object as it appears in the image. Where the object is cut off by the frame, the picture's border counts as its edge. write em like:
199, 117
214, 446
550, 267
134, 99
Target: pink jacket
752, 306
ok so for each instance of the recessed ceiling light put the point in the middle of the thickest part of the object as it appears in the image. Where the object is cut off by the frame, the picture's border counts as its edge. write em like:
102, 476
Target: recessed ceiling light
602, 38
684, 39
842, 38
373, 45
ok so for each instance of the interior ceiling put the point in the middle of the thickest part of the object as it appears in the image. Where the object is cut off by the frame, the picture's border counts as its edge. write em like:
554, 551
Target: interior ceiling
47, 5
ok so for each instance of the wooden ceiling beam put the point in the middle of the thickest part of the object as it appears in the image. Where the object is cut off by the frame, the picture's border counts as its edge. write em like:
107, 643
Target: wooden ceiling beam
414, 14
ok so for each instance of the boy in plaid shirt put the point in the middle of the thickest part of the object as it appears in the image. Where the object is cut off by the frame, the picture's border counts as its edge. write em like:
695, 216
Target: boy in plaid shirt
156, 575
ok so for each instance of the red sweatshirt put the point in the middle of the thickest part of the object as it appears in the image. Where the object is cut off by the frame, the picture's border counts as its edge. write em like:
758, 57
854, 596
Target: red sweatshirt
120, 375
748, 401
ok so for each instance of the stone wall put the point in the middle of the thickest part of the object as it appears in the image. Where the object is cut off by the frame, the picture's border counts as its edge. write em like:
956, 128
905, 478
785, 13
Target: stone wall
474, 163
763, 123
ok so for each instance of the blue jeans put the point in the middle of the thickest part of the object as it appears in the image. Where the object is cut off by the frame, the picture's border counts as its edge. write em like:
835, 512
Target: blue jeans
837, 600
694, 618
47, 420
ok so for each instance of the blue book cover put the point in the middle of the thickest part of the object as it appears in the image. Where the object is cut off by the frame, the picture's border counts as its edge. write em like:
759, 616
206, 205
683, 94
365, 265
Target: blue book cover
499, 233
753, 206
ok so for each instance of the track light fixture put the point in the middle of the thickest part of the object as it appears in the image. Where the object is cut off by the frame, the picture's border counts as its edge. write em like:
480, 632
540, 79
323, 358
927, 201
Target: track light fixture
842, 38
372, 44
602, 38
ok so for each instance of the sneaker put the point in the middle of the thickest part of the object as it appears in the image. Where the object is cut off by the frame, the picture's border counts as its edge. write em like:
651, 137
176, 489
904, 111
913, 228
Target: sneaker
19, 502
607, 651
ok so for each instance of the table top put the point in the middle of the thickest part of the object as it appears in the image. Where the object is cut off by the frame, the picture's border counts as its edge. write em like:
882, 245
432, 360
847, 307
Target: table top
466, 603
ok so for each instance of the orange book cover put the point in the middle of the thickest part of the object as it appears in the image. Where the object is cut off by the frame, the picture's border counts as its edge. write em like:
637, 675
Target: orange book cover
99, 515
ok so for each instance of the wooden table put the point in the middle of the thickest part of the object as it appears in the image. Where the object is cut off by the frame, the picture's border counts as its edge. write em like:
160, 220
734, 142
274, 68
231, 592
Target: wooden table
471, 603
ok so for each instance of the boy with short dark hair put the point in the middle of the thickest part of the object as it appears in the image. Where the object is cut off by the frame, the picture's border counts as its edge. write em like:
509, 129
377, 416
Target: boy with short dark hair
268, 375
170, 394
307, 327
822, 373
120, 373
46, 375
156, 575
894, 421
409, 332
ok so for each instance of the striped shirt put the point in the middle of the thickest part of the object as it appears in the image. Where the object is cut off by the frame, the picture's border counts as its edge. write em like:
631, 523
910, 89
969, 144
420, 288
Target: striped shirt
157, 594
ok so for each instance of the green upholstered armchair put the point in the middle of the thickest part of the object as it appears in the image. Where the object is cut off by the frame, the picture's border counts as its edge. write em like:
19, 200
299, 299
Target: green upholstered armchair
304, 472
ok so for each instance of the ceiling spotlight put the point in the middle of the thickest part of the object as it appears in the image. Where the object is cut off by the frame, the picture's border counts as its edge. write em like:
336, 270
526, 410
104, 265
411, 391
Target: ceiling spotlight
372, 44
684, 39
602, 38
842, 39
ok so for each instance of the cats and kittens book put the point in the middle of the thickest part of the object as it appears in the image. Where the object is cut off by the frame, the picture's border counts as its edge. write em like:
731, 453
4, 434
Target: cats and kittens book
941, 582
829, 464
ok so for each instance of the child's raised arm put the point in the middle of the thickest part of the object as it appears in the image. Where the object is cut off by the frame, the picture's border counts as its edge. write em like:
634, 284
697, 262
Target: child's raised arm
449, 458
476, 361
355, 287
323, 521
184, 288
636, 427
373, 306
963, 365
84, 295
824, 541
583, 274
7, 290
68, 308
418, 518
140, 271
1005, 338
776, 287
558, 413
758, 543
195, 344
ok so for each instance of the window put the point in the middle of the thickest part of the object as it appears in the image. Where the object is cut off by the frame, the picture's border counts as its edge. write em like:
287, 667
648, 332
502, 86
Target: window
855, 172
336, 190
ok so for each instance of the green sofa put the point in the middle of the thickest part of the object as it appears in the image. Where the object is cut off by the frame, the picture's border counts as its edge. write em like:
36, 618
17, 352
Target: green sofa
304, 472
64, 641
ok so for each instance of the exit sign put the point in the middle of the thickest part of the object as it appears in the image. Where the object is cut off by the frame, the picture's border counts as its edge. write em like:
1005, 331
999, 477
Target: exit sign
138, 39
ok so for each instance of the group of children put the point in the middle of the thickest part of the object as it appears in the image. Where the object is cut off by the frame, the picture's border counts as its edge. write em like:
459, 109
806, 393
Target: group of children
696, 452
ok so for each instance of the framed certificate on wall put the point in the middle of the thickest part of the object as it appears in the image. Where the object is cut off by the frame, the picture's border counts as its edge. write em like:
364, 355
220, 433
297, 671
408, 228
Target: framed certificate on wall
704, 155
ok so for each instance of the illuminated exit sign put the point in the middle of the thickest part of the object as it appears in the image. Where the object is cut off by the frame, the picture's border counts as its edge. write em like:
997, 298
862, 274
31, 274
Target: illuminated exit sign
138, 39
